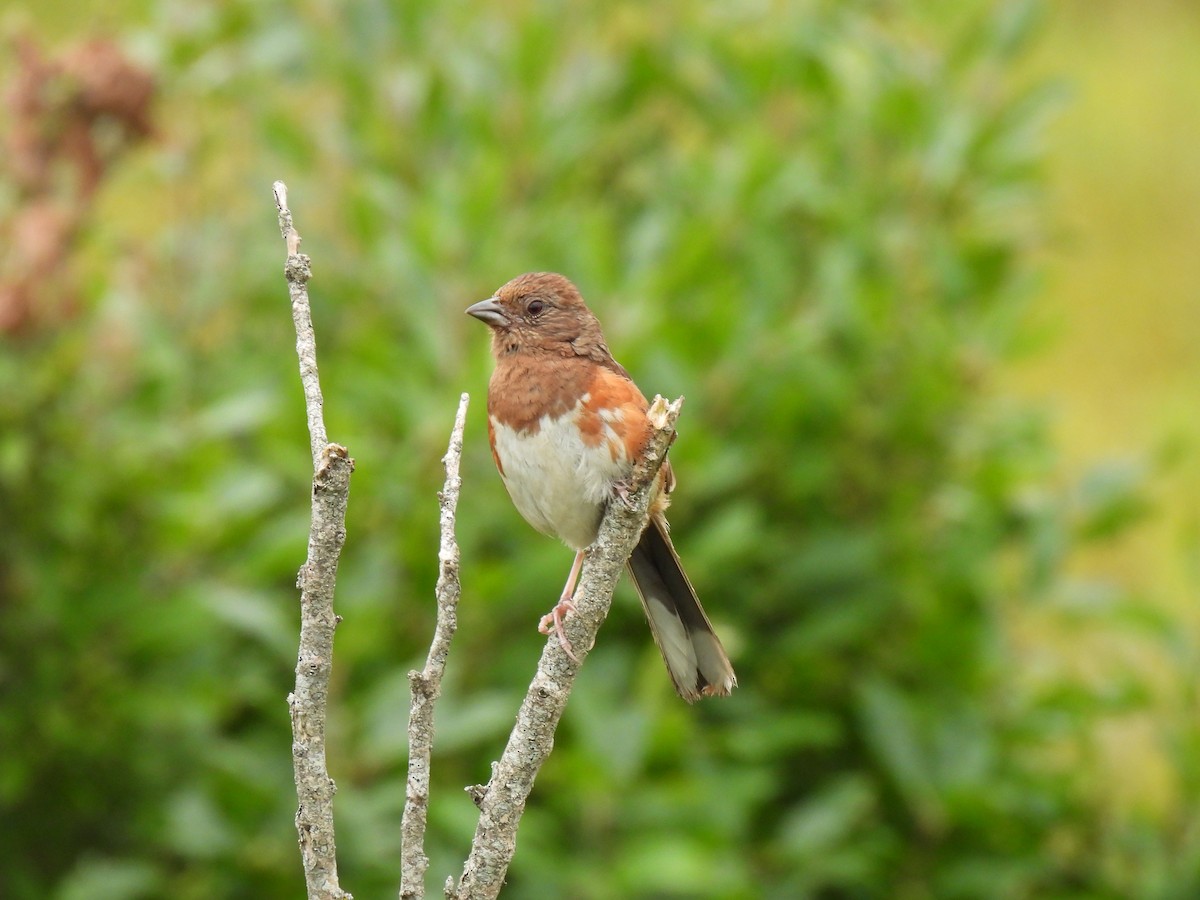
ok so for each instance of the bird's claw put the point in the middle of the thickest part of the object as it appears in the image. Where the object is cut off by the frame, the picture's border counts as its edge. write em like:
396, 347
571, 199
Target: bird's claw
621, 490
552, 623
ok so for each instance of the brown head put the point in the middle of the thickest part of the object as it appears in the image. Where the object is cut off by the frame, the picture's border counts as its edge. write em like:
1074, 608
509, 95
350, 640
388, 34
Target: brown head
540, 311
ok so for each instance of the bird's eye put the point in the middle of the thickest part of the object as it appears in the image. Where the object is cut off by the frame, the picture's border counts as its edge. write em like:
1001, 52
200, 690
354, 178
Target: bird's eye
536, 307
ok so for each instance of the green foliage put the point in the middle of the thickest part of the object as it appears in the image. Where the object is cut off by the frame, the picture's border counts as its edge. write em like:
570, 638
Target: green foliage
815, 220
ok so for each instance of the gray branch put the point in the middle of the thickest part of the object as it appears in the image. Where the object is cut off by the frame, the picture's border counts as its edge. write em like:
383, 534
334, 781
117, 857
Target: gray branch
332, 466
502, 801
427, 684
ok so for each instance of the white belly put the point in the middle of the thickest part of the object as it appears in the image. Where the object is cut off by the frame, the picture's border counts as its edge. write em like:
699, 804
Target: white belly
556, 481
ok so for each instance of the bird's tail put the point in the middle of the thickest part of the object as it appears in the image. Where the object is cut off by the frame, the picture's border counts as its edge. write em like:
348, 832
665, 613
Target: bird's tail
691, 649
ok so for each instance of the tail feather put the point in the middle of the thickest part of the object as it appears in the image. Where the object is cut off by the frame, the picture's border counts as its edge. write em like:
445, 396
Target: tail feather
691, 649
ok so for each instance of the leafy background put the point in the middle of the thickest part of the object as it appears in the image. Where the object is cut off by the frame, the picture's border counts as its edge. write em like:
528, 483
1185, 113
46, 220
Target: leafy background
923, 272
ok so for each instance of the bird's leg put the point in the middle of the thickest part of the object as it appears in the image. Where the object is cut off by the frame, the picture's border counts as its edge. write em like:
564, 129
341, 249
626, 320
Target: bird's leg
553, 620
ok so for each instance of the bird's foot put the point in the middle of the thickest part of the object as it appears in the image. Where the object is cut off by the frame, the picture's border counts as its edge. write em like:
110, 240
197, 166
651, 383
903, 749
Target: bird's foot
621, 490
552, 623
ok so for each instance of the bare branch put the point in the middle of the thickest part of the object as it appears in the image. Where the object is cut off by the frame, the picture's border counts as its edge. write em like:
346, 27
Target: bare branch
330, 494
503, 799
298, 271
427, 684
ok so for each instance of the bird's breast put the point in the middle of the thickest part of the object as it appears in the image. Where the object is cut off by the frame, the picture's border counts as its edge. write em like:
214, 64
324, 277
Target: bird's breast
560, 470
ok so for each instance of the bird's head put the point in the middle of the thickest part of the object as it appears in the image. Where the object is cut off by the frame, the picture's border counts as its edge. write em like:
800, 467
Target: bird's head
539, 310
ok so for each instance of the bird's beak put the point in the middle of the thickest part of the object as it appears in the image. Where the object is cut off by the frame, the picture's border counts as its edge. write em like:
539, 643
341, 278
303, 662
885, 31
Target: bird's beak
489, 311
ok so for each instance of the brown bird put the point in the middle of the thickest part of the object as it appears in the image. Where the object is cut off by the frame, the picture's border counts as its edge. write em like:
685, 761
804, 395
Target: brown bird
566, 424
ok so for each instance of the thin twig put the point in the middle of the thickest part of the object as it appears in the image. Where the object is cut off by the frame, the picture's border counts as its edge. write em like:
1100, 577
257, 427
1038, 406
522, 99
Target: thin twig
502, 800
298, 271
427, 684
330, 494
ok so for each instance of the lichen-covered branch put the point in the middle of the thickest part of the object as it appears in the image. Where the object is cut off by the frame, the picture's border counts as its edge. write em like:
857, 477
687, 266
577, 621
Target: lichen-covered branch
427, 684
332, 466
502, 800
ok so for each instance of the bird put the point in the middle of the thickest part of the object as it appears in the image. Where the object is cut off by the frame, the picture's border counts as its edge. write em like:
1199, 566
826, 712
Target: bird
566, 424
